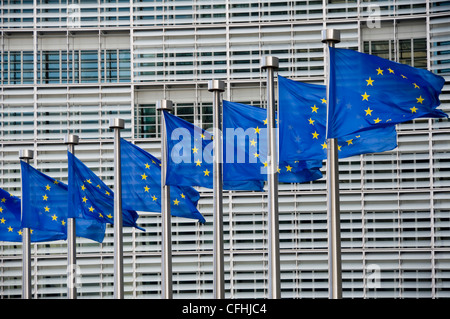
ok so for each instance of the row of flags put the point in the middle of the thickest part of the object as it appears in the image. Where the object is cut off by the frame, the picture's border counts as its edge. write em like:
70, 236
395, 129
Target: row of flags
369, 95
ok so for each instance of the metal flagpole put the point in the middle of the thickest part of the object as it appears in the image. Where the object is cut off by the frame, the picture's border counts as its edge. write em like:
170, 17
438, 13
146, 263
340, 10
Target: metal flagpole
117, 124
71, 140
331, 37
166, 232
271, 63
217, 86
26, 155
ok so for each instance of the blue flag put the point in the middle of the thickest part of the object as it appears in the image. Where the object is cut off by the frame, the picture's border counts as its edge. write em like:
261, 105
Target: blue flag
46, 206
91, 198
190, 157
10, 222
141, 185
303, 112
371, 92
245, 148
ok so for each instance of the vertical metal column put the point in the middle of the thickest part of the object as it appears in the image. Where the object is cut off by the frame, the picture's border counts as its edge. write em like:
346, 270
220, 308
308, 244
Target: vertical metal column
117, 124
217, 86
270, 63
330, 37
26, 155
71, 140
166, 231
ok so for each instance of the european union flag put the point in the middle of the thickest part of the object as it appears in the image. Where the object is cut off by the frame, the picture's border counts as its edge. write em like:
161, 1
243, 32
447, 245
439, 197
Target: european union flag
245, 148
371, 92
91, 198
46, 206
303, 112
141, 185
10, 222
190, 157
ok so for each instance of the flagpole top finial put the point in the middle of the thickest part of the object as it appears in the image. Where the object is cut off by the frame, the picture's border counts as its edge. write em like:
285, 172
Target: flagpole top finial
25, 154
71, 139
117, 123
331, 35
164, 105
216, 85
269, 62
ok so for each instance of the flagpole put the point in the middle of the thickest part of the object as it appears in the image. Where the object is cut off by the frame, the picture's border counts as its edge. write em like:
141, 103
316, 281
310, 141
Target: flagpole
71, 140
217, 86
166, 231
26, 155
117, 124
270, 63
330, 37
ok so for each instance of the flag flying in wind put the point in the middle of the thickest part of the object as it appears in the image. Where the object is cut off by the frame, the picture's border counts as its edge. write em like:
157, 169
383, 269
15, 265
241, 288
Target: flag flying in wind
141, 185
10, 222
303, 112
245, 148
46, 206
190, 157
91, 198
371, 92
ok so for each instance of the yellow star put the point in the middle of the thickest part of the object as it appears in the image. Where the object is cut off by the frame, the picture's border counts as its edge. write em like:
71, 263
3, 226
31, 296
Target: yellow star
98, 186
63, 222
365, 96
183, 196
413, 109
257, 129
256, 155
403, 76
89, 181
311, 121
420, 99
109, 216
144, 176
391, 71
55, 182
206, 172
84, 199
47, 209
83, 187
377, 120
324, 145
147, 165
380, 71
199, 163
253, 143
146, 188
288, 168
107, 193
194, 150
100, 215
265, 122
176, 201
416, 86
47, 187
45, 197
324, 101
314, 109
266, 164
369, 81
54, 217
154, 198
91, 209
1, 209
2, 220
349, 142
339, 147
368, 111
3, 200
315, 135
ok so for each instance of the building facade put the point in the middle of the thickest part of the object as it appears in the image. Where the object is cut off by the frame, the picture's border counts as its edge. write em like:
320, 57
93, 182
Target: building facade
70, 66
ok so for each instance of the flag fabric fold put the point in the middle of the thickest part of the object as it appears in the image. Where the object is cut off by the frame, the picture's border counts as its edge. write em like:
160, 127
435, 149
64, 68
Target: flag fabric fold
369, 92
303, 120
245, 148
141, 185
46, 206
190, 158
10, 222
91, 198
